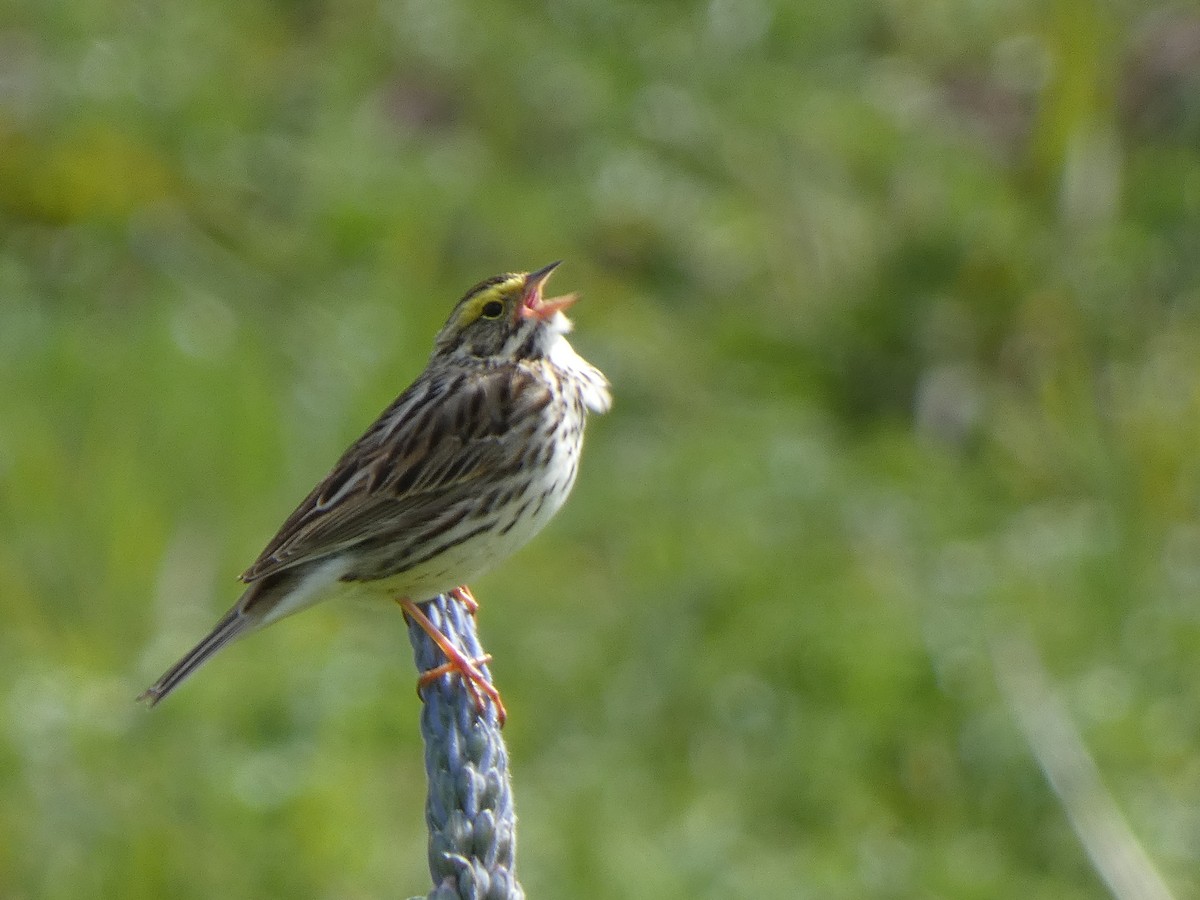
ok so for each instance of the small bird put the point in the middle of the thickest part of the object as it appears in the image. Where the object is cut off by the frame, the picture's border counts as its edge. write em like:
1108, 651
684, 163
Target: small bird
458, 473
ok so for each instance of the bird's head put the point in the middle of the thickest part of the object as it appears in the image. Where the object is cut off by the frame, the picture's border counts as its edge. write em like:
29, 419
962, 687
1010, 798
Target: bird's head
506, 317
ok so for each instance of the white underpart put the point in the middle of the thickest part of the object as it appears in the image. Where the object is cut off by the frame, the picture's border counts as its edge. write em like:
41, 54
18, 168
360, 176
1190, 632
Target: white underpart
319, 584
594, 389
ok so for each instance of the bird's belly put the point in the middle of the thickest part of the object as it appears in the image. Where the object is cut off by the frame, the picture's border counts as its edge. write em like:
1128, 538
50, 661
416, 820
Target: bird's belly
514, 525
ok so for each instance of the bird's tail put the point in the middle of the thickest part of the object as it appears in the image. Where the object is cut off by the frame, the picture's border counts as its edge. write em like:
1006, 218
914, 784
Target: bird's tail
233, 624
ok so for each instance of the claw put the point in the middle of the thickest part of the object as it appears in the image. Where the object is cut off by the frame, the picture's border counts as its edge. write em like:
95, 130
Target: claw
463, 595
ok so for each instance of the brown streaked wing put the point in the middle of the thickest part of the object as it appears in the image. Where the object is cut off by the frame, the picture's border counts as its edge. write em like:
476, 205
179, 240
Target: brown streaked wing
447, 439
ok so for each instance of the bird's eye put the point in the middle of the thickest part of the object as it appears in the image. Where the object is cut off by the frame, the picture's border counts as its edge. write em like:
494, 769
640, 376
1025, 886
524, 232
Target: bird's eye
492, 309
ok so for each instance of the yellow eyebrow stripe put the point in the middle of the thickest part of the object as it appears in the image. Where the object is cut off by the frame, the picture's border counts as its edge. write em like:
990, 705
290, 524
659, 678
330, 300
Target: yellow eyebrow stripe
472, 306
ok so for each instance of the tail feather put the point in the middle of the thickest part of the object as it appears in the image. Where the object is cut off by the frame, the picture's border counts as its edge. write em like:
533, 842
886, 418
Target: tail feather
232, 625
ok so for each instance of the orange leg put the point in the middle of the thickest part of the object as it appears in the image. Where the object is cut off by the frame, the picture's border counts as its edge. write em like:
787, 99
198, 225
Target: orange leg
463, 595
456, 662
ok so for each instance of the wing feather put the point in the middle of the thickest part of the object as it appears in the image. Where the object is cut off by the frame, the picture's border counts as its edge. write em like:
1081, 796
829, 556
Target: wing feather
438, 439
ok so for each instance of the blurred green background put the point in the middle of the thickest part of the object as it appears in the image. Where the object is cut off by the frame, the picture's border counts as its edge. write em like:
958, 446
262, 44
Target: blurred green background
901, 305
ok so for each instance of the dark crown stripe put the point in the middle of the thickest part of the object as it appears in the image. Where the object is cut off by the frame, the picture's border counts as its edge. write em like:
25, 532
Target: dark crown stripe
485, 284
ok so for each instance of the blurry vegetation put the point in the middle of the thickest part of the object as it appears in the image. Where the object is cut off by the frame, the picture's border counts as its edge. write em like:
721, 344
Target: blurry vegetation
901, 303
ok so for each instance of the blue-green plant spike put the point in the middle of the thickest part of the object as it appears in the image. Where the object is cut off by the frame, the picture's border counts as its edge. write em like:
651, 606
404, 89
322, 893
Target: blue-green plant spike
469, 808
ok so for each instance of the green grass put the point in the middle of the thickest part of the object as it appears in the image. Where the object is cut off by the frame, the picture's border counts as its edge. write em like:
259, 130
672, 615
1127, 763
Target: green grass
901, 306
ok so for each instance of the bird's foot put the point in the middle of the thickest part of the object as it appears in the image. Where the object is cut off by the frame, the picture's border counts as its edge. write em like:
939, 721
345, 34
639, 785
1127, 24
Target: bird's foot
457, 662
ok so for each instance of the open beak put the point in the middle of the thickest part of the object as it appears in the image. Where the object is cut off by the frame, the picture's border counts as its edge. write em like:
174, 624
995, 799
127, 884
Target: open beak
533, 304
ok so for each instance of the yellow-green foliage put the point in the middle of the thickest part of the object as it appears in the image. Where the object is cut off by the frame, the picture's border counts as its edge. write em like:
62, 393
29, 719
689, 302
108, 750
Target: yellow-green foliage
901, 305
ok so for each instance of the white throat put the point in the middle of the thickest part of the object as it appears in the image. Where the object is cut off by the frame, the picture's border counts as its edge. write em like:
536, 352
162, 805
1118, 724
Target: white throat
586, 378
